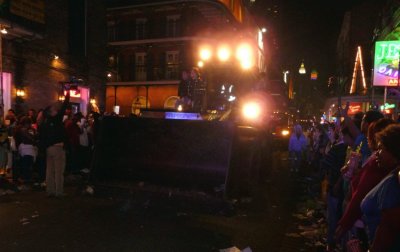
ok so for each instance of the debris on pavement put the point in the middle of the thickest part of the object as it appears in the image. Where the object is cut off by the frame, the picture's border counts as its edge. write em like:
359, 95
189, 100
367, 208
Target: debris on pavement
85, 171
247, 250
293, 235
89, 190
235, 249
24, 221
310, 218
246, 200
35, 215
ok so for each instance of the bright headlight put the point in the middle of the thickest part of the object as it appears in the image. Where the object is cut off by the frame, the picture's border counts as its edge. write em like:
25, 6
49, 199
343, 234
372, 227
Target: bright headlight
251, 110
223, 53
244, 54
285, 132
205, 54
246, 64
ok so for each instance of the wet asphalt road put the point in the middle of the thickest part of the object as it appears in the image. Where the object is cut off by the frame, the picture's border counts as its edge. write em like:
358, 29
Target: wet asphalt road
29, 221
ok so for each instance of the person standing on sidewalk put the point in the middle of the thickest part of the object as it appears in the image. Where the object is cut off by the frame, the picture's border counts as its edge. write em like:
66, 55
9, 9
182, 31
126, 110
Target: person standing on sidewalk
331, 165
54, 137
297, 145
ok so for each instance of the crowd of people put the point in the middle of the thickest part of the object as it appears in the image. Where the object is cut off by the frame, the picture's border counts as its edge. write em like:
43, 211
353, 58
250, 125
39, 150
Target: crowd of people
358, 159
37, 148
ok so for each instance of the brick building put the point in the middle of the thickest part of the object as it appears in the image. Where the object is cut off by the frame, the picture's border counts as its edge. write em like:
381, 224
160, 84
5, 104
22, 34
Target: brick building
47, 42
151, 42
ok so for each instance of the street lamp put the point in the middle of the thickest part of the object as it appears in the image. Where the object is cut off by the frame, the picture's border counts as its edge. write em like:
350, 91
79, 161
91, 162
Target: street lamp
20, 92
302, 69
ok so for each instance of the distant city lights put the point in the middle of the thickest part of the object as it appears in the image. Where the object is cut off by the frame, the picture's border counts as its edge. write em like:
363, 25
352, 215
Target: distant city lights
302, 69
285, 76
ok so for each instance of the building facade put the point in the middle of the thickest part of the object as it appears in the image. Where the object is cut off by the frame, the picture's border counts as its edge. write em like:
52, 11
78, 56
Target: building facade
364, 25
152, 42
48, 42
355, 39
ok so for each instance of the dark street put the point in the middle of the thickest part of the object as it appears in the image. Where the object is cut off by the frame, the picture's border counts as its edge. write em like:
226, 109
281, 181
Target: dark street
147, 222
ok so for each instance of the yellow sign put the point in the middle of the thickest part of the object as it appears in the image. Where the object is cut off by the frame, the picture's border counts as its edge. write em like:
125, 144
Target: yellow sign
393, 82
32, 10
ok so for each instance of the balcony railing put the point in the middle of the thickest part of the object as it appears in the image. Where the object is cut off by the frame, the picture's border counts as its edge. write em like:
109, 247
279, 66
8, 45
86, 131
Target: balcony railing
149, 30
153, 73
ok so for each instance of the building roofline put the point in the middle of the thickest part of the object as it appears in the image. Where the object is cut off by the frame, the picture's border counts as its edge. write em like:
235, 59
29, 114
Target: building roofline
157, 3
143, 83
155, 41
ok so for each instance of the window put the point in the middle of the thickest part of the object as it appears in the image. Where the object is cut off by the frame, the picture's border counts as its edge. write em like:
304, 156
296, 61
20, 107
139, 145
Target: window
141, 28
140, 65
172, 65
173, 26
111, 31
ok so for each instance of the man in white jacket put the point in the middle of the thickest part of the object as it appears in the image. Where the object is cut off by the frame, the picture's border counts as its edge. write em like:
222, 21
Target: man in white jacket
297, 144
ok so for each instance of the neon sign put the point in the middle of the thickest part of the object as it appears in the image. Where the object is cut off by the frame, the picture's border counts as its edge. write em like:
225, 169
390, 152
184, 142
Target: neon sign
388, 106
386, 65
355, 107
314, 75
73, 93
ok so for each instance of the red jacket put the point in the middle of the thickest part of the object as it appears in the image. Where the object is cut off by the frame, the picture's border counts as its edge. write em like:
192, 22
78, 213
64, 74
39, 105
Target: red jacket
387, 231
368, 178
73, 133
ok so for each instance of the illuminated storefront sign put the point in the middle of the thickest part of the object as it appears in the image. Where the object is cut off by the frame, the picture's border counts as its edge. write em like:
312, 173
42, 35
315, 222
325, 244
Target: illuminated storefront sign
73, 93
386, 65
388, 106
354, 108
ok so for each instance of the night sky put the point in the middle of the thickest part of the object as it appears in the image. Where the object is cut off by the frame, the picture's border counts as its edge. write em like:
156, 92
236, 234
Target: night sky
304, 29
